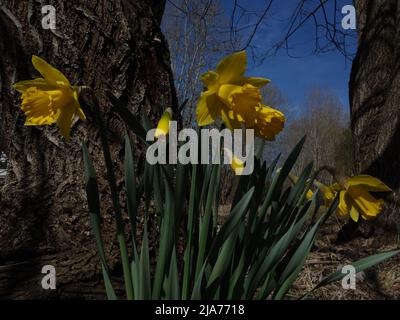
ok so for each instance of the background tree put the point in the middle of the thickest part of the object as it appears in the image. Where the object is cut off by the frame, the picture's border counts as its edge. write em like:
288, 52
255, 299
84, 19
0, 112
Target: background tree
324, 120
3, 166
108, 45
375, 95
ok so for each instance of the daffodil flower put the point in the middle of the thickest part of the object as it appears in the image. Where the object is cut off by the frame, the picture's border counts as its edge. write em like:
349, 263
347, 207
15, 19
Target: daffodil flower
355, 197
163, 125
237, 100
51, 99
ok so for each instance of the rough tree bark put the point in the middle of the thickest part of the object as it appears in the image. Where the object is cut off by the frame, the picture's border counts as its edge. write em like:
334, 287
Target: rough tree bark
106, 44
375, 96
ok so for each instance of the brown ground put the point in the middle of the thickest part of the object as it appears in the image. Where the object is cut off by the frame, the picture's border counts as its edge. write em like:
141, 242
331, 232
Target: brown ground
380, 282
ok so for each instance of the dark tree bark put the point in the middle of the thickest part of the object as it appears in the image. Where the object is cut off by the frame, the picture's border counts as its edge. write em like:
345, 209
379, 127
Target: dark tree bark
112, 45
375, 96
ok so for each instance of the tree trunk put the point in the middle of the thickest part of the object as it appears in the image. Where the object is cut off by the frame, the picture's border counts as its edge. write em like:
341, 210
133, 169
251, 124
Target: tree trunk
375, 96
112, 45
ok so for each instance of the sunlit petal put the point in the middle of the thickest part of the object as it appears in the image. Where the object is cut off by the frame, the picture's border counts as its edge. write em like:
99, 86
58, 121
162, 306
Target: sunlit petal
49, 73
208, 108
232, 68
39, 83
369, 183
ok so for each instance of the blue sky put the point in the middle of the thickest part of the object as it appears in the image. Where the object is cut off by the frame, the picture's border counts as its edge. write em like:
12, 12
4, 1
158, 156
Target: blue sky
295, 76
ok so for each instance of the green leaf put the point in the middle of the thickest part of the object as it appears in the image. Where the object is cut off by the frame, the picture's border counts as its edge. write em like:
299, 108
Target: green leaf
135, 271
167, 239
107, 283
279, 178
173, 291
192, 230
94, 215
205, 223
144, 267
232, 221
115, 200
223, 260
130, 186
131, 121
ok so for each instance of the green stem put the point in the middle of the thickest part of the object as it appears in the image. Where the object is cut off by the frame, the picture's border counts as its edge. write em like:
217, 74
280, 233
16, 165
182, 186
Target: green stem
114, 195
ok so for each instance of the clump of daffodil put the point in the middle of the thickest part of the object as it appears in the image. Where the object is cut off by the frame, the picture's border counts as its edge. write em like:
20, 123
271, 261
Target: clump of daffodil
51, 99
237, 100
163, 125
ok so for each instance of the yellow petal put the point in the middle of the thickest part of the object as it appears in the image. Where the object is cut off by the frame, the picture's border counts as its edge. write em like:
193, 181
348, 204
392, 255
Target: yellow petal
257, 82
226, 92
49, 73
39, 121
366, 204
232, 68
369, 183
309, 195
163, 124
79, 110
354, 214
229, 122
210, 80
39, 83
208, 108
343, 207
81, 114
64, 120
337, 187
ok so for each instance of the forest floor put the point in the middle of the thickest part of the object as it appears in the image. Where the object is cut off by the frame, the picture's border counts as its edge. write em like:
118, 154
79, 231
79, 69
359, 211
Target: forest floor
327, 256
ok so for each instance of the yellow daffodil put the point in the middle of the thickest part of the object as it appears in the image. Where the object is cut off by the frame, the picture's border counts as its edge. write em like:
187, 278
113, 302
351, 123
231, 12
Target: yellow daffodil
237, 100
355, 197
237, 165
163, 124
51, 99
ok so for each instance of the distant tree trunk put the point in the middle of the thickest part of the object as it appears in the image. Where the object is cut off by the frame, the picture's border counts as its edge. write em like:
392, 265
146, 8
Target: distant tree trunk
105, 44
375, 96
